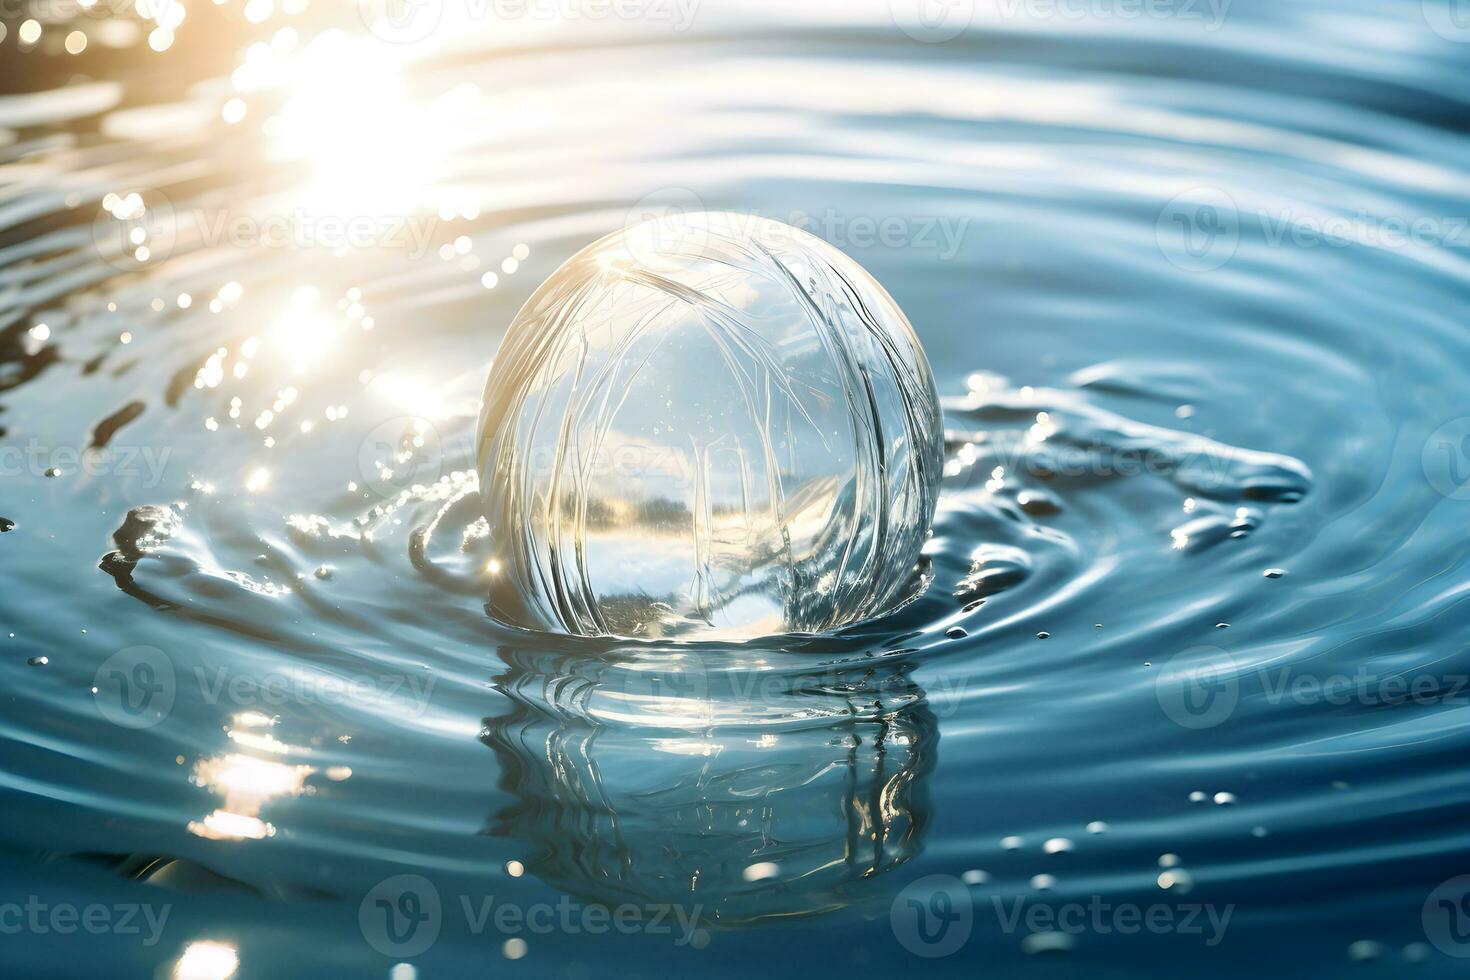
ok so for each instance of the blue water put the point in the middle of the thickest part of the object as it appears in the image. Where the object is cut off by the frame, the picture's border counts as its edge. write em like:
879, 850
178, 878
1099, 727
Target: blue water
1193, 649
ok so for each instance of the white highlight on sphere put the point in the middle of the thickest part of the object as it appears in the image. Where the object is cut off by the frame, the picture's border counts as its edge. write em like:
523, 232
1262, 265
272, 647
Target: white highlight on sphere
711, 426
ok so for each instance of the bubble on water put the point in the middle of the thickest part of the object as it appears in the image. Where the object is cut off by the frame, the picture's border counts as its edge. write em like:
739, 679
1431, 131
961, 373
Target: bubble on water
1048, 942
1057, 845
1043, 883
1010, 843
1038, 503
1224, 799
710, 425
761, 871
975, 877
1168, 860
1274, 572
1097, 827
1364, 951
1176, 880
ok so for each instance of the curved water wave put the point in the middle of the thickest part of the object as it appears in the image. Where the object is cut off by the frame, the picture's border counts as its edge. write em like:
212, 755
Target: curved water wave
1193, 296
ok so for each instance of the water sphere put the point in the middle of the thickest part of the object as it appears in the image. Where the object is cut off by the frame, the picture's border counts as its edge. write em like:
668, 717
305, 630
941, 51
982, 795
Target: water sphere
707, 426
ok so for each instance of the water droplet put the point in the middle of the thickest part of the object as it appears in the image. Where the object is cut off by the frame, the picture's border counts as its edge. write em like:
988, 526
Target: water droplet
956, 633
1177, 880
974, 877
1274, 572
1043, 883
761, 871
1010, 843
1097, 827
1048, 942
1057, 845
1365, 951
1038, 503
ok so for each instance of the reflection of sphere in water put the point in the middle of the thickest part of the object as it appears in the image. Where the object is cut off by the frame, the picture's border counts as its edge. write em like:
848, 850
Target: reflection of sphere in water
714, 425
797, 812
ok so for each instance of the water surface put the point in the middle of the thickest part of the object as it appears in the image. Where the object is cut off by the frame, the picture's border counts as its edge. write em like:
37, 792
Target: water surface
1194, 293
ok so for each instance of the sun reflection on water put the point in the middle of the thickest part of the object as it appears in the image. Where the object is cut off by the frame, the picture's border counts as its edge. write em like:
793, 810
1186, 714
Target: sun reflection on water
207, 960
246, 782
372, 149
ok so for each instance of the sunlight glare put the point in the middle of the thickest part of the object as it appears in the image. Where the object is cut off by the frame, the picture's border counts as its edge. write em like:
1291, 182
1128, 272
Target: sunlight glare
373, 152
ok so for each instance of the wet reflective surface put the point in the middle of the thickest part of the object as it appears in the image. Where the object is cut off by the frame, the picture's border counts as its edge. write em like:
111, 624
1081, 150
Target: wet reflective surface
1190, 649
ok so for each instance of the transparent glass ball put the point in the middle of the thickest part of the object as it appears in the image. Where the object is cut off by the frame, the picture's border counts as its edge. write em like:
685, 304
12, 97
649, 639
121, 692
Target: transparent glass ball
708, 426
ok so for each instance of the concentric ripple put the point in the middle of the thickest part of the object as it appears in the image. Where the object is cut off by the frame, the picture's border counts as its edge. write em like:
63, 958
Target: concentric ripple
1194, 298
